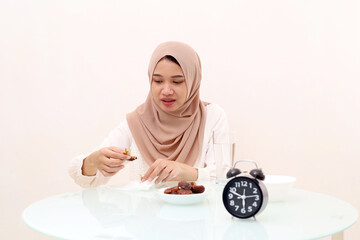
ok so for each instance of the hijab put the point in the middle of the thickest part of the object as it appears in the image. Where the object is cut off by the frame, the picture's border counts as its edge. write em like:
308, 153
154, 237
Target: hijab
176, 135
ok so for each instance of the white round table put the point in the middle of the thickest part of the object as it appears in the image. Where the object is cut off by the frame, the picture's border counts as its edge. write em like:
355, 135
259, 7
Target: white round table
109, 213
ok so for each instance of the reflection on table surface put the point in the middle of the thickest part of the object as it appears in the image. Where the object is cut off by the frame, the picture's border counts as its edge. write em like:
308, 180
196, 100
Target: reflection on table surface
110, 213
143, 216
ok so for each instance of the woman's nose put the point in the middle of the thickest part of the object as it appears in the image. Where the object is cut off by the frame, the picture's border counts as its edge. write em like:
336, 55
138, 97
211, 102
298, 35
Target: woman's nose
167, 90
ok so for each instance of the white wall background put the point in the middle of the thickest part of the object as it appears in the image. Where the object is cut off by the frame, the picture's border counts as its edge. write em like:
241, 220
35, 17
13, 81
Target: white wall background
286, 72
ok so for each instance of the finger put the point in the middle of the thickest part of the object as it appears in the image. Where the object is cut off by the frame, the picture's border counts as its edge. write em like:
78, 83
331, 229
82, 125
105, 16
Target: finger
171, 177
157, 171
104, 161
147, 174
107, 174
108, 169
111, 154
116, 149
118, 168
111, 169
112, 162
163, 174
150, 170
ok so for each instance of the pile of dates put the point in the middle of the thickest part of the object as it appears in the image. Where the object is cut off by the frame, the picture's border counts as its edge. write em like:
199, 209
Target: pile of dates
184, 187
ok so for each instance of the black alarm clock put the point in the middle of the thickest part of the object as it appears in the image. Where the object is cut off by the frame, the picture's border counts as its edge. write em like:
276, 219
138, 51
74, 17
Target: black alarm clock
245, 195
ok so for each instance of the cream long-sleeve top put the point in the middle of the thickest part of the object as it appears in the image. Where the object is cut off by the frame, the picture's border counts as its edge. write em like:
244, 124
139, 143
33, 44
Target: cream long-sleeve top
216, 129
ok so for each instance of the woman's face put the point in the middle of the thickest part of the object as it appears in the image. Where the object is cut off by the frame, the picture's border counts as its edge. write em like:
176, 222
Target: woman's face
168, 86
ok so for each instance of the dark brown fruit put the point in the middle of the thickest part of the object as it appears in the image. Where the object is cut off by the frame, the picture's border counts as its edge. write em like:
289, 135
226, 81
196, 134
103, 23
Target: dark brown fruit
132, 158
184, 185
184, 188
198, 189
184, 191
172, 190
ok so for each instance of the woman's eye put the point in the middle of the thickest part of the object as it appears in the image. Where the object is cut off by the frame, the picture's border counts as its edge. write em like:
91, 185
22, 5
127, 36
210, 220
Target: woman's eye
178, 82
157, 81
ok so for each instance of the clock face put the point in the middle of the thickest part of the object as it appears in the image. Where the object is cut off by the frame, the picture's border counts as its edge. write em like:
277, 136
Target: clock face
242, 197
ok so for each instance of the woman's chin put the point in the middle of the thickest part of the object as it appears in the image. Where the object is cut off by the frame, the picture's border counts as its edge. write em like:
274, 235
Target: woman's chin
169, 109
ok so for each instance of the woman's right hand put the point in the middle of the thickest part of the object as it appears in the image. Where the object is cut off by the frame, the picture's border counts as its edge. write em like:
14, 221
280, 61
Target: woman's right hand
108, 160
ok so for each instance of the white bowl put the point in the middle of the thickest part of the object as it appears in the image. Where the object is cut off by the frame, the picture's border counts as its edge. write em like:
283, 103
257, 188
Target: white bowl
279, 186
182, 199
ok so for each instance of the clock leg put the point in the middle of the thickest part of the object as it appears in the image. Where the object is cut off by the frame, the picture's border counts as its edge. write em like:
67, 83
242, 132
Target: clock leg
254, 218
338, 236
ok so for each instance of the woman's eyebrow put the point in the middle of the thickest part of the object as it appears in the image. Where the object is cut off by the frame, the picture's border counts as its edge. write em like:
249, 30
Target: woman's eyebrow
177, 76
174, 76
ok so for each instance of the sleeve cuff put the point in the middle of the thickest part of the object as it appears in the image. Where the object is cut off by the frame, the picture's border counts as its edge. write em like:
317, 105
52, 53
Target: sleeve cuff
76, 173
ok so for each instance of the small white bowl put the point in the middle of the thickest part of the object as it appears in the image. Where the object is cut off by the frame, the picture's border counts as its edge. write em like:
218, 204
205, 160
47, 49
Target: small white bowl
278, 186
182, 199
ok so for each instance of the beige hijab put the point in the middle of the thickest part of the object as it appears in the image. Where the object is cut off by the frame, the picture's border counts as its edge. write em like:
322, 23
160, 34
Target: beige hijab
178, 135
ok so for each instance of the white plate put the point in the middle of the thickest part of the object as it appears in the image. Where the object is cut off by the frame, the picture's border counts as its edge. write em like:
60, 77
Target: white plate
182, 199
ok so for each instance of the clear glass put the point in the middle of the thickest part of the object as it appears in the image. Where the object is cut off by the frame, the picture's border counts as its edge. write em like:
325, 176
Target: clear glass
224, 157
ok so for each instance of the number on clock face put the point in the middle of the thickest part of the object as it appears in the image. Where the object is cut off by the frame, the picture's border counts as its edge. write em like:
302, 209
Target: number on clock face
242, 197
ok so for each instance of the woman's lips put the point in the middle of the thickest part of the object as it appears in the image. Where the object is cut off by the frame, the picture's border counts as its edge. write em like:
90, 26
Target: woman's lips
168, 102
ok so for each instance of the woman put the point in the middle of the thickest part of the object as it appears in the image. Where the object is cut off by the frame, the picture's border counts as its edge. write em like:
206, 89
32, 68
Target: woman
171, 134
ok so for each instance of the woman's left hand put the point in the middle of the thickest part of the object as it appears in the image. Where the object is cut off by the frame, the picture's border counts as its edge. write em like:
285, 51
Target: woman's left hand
167, 170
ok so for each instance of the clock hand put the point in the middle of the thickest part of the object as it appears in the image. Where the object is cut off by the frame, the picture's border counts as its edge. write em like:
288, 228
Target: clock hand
251, 196
237, 194
243, 199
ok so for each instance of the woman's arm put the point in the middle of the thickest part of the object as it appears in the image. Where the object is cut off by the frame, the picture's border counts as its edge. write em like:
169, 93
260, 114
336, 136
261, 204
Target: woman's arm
96, 168
108, 160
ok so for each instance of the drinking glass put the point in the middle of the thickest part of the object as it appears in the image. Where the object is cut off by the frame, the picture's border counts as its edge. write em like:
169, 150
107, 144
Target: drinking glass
224, 157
